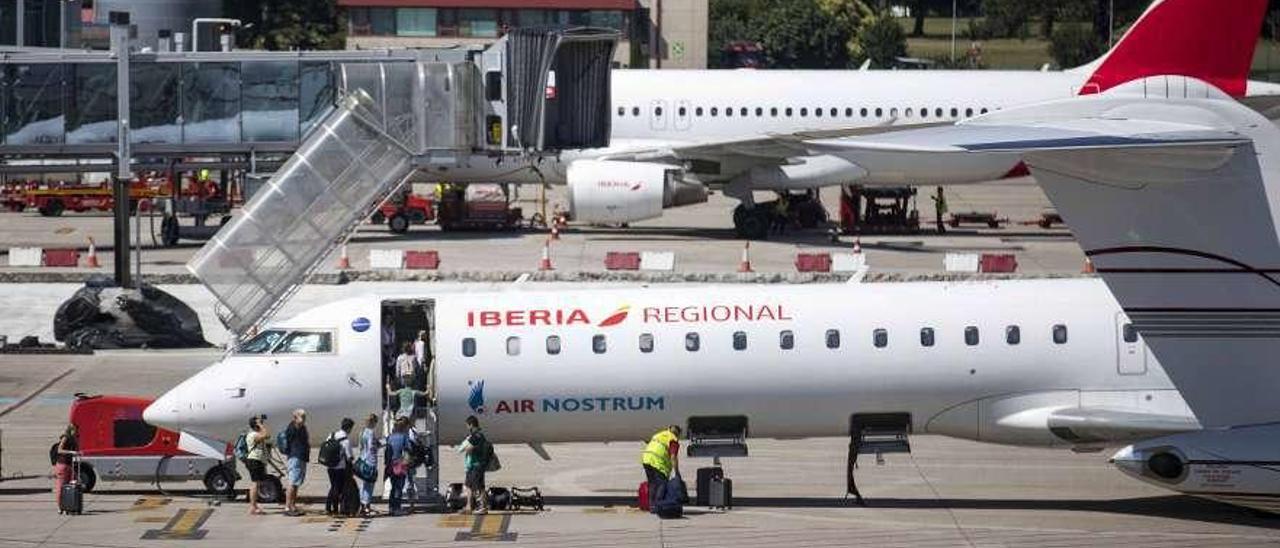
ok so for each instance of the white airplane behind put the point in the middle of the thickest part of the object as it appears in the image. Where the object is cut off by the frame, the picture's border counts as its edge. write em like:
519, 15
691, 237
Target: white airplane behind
678, 133
1041, 363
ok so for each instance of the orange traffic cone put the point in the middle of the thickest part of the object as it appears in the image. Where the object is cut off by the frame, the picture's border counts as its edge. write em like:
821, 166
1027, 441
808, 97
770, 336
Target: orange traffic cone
745, 264
857, 244
344, 262
92, 260
1088, 266
545, 263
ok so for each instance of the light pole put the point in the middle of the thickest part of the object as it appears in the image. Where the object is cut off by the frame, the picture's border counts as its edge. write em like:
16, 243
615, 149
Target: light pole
1111, 23
953, 31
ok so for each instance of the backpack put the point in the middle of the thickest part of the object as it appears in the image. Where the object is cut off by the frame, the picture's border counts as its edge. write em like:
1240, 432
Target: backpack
53, 452
484, 453
241, 447
330, 452
282, 442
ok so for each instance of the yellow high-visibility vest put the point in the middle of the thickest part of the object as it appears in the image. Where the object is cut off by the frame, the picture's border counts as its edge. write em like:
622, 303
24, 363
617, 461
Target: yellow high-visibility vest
656, 455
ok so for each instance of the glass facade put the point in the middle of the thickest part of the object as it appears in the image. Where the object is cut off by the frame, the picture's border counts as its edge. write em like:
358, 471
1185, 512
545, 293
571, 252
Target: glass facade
34, 104
211, 102
270, 95
474, 22
155, 109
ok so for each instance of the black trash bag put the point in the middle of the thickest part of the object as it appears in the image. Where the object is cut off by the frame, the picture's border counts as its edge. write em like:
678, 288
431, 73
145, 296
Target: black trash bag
80, 311
95, 338
169, 321
108, 317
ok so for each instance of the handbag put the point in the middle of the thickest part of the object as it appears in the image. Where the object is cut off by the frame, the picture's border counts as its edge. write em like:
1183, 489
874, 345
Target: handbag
400, 468
366, 471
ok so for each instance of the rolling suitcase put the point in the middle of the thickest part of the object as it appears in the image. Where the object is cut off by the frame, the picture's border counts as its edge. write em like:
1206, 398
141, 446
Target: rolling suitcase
71, 498
642, 497
720, 493
703, 484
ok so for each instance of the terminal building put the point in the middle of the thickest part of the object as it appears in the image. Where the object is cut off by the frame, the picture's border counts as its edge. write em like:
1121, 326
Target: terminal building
655, 33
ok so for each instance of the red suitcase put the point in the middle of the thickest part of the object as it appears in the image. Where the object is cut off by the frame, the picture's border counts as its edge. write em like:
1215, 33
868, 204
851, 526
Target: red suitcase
643, 496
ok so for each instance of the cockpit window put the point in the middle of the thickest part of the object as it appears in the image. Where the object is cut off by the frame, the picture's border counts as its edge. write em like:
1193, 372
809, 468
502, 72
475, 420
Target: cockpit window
261, 343
306, 342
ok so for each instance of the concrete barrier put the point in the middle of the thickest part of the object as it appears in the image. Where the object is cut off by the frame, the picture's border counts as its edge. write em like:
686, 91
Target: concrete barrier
664, 261
386, 259
848, 262
961, 262
26, 256
421, 260
813, 262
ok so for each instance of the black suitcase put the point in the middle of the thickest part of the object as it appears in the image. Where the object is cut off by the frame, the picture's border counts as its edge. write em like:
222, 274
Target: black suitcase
720, 493
71, 499
703, 484
349, 504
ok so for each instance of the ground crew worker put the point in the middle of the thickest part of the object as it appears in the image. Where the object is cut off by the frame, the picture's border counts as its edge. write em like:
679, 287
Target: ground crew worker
661, 458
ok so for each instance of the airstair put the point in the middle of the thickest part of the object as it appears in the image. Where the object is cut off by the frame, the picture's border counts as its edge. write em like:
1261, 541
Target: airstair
391, 119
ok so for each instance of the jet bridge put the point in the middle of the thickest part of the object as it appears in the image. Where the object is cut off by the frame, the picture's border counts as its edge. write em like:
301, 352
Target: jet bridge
390, 119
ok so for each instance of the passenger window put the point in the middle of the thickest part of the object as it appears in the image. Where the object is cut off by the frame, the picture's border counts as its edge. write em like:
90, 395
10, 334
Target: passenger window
880, 338
759, 112
984, 110
926, 336
635, 111
773, 112
714, 111
646, 342
971, 336
908, 112
804, 112
968, 113
786, 339
132, 433
1130, 334
306, 342
1012, 334
728, 111
863, 112
622, 111
513, 346
955, 112
682, 111
598, 344
553, 344
879, 112
1060, 334
262, 342
893, 112
924, 113
835, 112
739, 340
469, 347
657, 111
848, 112
789, 112
697, 112
817, 112
937, 112
833, 338
743, 111
692, 342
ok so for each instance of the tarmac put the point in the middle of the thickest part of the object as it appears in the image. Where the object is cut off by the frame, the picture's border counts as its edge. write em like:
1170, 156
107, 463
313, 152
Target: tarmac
788, 493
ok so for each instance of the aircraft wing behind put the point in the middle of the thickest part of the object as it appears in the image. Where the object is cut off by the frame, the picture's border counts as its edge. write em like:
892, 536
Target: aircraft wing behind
1170, 199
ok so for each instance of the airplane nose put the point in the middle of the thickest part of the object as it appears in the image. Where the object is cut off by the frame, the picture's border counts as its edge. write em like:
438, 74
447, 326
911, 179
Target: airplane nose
163, 412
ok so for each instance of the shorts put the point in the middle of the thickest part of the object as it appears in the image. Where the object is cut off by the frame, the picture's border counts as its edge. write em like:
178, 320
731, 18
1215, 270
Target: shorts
297, 471
257, 470
475, 479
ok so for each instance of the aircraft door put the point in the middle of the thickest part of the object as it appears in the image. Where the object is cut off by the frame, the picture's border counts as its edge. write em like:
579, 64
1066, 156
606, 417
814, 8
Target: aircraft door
1131, 352
684, 115
658, 115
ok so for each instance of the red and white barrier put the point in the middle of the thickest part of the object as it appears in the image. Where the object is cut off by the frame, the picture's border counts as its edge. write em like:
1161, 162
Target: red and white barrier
848, 262
961, 262
622, 260
26, 256
386, 259
658, 260
998, 263
813, 262
65, 257
421, 260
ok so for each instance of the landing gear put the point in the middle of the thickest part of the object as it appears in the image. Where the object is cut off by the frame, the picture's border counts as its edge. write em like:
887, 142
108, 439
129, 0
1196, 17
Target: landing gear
751, 222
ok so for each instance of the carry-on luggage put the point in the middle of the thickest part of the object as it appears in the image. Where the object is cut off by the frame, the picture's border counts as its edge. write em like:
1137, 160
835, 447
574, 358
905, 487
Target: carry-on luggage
350, 501
703, 484
669, 505
71, 498
642, 497
527, 498
720, 493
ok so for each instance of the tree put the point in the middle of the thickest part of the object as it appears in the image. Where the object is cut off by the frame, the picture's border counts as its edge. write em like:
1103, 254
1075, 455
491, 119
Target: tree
1074, 45
1008, 18
880, 39
288, 24
920, 10
794, 33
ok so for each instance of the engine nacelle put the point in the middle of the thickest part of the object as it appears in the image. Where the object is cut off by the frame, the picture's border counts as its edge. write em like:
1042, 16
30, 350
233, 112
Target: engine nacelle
1236, 465
608, 192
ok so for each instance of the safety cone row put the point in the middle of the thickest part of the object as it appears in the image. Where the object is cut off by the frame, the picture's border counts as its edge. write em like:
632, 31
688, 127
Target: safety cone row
545, 263
745, 264
344, 261
92, 260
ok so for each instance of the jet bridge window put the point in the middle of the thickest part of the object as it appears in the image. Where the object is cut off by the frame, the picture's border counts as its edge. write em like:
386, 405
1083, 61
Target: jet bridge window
833, 338
926, 336
786, 339
553, 344
513, 346
692, 342
1012, 335
1129, 333
646, 342
880, 337
971, 336
1060, 334
262, 342
739, 340
306, 342
469, 347
598, 344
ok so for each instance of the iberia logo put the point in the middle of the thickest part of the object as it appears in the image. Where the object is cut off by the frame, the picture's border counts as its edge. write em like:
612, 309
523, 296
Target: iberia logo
617, 317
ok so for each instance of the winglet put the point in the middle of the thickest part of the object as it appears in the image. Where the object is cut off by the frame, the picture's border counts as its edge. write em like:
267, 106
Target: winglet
1210, 40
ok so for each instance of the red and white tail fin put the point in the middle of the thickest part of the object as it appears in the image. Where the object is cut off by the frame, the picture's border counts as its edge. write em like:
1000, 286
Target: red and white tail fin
1210, 40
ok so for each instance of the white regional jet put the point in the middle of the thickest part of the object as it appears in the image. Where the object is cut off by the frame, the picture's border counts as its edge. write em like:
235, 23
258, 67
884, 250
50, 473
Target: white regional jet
677, 133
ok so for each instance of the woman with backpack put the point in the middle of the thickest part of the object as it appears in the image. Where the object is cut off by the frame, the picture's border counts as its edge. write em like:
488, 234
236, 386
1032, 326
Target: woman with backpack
336, 456
65, 450
397, 463
367, 466
256, 458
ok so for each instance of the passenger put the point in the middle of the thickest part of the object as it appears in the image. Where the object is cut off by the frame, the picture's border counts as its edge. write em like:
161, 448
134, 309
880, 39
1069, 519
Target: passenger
397, 463
256, 458
369, 444
660, 458
68, 448
388, 346
405, 365
340, 472
422, 361
781, 213
476, 451
298, 452
405, 399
